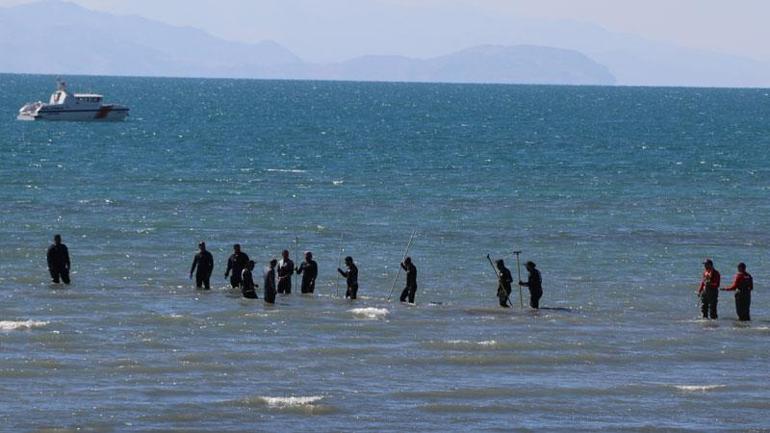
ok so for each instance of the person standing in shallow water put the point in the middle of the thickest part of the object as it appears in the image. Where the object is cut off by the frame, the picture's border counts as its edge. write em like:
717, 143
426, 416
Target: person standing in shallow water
248, 288
504, 284
236, 263
285, 271
204, 262
534, 283
309, 271
58, 258
411, 280
743, 284
270, 282
351, 277
709, 290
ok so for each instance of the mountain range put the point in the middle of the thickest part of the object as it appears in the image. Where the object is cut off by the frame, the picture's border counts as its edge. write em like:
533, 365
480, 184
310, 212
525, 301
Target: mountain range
58, 37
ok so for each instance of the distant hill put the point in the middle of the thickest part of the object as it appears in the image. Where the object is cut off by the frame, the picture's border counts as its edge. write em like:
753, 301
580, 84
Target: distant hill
482, 64
63, 38
57, 37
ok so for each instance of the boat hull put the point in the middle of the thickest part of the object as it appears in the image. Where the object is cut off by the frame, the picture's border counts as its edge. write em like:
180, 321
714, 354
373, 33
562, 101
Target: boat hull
105, 113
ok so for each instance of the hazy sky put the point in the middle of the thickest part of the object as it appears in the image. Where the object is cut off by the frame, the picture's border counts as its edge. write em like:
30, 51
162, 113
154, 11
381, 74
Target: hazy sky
327, 30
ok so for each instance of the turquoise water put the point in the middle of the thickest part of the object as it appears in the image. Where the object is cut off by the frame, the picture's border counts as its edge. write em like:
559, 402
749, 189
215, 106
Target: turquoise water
617, 193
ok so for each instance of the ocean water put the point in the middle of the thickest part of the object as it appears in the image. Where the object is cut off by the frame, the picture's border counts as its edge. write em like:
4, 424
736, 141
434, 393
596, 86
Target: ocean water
617, 193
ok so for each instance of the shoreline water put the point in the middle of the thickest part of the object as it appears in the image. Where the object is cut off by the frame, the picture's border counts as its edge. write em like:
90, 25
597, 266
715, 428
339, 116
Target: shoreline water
618, 194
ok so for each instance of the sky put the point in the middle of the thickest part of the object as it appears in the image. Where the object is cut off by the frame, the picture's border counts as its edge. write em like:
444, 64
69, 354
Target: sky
333, 30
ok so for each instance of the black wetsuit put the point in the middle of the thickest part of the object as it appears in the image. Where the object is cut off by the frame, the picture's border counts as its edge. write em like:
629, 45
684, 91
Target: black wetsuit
535, 285
236, 263
504, 286
411, 282
351, 277
59, 263
309, 271
285, 271
248, 288
204, 263
269, 286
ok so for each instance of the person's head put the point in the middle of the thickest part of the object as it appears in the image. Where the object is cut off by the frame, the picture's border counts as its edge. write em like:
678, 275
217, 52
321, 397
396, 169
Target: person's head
202, 246
500, 264
708, 264
237, 248
251, 265
273, 263
741, 267
57, 239
530, 265
348, 260
408, 261
308, 255
285, 254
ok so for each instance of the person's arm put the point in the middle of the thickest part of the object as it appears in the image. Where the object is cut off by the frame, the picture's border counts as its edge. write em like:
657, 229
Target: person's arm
67, 258
403, 266
716, 279
49, 257
194, 264
343, 273
736, 283
210, 259
229, 266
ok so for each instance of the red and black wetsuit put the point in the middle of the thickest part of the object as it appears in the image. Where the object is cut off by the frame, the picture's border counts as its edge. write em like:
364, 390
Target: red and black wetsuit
743, 284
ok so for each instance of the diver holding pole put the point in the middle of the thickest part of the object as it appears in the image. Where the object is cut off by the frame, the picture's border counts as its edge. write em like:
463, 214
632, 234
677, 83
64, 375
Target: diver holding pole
504, 279
398, 273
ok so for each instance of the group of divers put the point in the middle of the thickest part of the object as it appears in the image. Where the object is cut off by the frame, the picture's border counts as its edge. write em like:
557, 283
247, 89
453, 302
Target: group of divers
278, 274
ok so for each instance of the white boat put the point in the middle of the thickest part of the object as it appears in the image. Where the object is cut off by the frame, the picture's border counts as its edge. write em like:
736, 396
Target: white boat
72, 106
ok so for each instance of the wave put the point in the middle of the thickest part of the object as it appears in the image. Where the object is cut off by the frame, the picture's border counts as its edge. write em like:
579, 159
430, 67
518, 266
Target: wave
307, 405
698, 388
289, 401
285, 170
475, 343
370, 312
12, 325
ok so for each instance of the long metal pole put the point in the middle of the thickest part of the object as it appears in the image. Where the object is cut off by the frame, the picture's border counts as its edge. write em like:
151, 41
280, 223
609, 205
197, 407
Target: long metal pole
342, 248
398, 272
518, 268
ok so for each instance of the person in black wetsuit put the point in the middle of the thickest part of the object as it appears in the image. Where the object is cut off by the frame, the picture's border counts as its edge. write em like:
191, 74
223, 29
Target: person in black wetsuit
351, 277
504, 287
58, 257
285, 271
309, 271
270, 282
236, 263
248, 288
411, 280
204, 262
534, 283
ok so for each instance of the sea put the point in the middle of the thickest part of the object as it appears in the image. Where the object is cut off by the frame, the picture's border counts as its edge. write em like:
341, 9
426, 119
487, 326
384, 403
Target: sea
618, 194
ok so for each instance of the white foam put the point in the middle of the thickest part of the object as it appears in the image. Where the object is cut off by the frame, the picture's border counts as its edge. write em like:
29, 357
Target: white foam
289, 401
698, 388
370, 312
338, 182
285, 170
12, 325
480, 343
